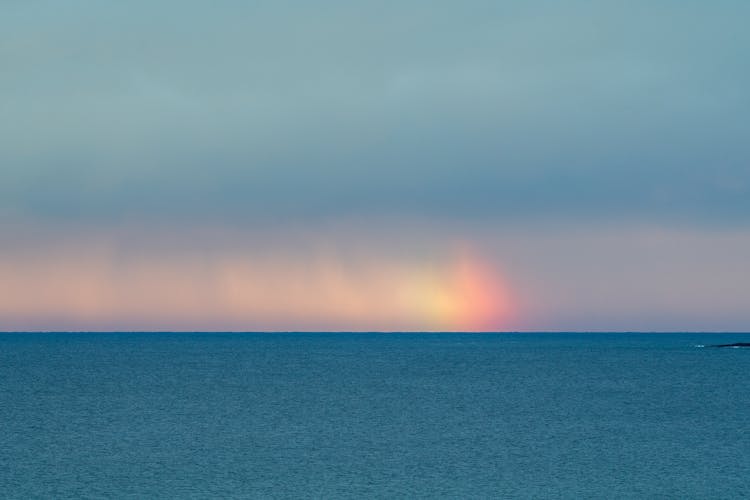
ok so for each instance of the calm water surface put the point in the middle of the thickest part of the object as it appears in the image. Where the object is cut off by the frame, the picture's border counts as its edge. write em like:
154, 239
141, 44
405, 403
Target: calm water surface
374, 415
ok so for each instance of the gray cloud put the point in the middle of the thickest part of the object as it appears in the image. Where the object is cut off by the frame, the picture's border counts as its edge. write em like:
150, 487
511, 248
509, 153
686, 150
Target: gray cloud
484, 109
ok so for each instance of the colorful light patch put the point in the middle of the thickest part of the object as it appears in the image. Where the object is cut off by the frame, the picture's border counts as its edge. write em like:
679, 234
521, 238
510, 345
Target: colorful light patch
105, 289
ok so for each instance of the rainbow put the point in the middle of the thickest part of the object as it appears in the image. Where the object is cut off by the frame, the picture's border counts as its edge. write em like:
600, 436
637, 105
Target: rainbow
466, 295
105, 288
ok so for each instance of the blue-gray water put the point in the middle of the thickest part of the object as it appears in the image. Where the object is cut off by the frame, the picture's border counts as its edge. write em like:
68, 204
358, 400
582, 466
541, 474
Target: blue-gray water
374, 415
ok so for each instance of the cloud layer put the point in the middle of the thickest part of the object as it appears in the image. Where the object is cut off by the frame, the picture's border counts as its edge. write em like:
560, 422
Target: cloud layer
254, 110
156, 156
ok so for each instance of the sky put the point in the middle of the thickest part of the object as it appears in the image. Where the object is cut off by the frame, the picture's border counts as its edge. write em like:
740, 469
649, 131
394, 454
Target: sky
357, 166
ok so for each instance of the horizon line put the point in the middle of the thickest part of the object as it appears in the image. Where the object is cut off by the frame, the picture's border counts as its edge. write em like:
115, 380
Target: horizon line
383, 332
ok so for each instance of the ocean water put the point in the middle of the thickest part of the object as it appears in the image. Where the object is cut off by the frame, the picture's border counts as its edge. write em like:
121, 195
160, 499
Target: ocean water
374, 416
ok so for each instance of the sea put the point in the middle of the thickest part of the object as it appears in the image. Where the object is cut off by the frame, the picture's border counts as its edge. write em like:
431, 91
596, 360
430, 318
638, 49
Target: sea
380, 415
